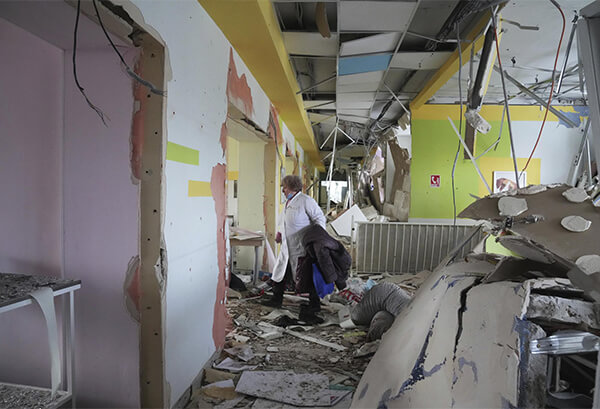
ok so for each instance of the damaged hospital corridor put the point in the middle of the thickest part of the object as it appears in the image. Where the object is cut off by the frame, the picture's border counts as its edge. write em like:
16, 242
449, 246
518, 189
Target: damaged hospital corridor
366, 204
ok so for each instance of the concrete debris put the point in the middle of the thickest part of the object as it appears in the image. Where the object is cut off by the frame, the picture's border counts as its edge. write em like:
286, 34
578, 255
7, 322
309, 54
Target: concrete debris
243, 352
212, 375
576, 195
511, 206
220, 390
241, 338
557, 312
575, 224
343, 224
230, 404
464, 339
286, 387
367, 349
331, 345
589, 264
229, 364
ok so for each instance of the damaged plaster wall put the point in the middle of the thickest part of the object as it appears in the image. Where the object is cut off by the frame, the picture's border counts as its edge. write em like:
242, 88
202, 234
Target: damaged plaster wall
30, 175
206, 75
434, 144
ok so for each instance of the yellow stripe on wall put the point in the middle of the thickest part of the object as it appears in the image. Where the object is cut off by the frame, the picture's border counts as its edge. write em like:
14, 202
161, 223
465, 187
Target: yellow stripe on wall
488, 112
233, 175
182, 154
198, 188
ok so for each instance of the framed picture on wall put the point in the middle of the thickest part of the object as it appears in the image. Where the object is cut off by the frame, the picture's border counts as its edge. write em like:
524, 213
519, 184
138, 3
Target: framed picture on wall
504, 180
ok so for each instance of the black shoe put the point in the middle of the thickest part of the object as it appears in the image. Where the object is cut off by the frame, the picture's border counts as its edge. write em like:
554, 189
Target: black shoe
310, 308
310, 318
272, 302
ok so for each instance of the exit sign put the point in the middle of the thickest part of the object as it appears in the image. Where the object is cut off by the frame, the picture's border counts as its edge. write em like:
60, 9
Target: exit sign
435, 181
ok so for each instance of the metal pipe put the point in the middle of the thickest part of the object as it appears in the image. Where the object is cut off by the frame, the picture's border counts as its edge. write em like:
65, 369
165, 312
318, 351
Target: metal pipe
397, 99
330, 173
539, 100
328, 136
564, 67
470, 155
573, 172
317, 84
510, 133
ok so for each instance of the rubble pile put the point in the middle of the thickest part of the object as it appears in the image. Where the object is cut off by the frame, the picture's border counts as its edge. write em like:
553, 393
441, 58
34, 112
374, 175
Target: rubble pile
273, 360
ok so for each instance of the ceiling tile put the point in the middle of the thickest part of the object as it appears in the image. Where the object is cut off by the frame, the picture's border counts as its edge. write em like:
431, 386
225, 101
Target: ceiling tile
366, 63
378, 43
375, 15
301, 43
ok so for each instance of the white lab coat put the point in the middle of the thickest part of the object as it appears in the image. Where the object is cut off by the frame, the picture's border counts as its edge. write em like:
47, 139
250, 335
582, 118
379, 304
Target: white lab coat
299, 212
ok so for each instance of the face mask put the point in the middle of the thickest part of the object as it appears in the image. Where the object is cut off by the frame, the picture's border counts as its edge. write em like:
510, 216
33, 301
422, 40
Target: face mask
289, 196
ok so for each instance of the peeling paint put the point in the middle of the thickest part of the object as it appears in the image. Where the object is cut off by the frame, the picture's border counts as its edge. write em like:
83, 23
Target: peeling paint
577, 116
273, 130
238, 91
418, 372
363, 392
137, 126
219, 194
442, 277
462, 362
132, 288
223, 137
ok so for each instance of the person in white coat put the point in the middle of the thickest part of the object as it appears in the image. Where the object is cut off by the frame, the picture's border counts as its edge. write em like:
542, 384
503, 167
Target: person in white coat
300, 212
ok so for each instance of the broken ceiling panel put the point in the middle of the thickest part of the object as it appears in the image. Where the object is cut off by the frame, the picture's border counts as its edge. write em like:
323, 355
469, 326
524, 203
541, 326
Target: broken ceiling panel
375, 15
423, 335
549, 233
420, 60
302, 43
378, 43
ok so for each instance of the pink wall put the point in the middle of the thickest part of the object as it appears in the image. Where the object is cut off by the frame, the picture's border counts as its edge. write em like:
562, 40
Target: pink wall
69, 206
31, 94
101, 205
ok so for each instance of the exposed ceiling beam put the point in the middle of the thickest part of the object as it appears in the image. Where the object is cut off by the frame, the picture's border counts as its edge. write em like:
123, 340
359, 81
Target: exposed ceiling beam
474, 39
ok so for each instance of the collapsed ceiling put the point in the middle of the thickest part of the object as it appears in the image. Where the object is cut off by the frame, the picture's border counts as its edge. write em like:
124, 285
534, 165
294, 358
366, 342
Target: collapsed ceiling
362, 65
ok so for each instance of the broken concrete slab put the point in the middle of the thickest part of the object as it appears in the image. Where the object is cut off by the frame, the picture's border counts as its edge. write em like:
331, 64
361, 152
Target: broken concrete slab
229, 404
286, 387
401, 205
426, 353
561, 312
549, 233
517, 269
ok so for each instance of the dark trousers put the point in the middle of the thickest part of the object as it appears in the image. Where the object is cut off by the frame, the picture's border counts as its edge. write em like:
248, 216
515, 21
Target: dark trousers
279, 289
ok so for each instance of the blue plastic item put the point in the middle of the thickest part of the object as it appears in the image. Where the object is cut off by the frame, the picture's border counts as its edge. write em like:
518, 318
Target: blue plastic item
321, 286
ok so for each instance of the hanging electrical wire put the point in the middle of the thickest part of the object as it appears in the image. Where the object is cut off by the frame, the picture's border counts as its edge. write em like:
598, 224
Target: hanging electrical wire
98, 111
509, 123
551, 88
460, 121
131, 73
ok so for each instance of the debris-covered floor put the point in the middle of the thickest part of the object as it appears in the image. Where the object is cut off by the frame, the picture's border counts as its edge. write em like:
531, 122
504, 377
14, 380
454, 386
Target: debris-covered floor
329, 358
